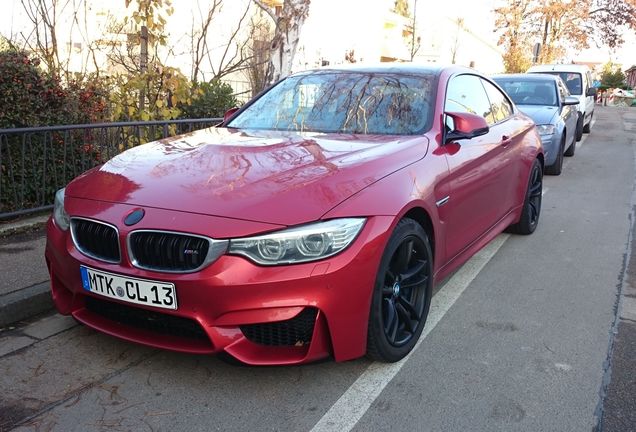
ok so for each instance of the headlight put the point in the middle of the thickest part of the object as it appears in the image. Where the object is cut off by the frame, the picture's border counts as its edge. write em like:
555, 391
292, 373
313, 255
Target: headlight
547, 129
59, 214
301, 244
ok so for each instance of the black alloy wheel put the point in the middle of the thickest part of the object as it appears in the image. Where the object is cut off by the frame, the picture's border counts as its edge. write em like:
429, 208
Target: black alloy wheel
402, 295
532, 204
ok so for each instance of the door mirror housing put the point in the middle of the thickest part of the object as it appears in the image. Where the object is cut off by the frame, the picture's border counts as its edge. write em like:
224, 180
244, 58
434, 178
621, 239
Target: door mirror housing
467, 126
570, 100
591, 91
228, 114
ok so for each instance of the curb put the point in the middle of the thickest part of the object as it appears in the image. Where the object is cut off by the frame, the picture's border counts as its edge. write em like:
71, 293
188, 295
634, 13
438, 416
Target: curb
25, 303
24, 225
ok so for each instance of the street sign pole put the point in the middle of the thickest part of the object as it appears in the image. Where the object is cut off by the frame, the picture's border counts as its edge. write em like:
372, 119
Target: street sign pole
535, 52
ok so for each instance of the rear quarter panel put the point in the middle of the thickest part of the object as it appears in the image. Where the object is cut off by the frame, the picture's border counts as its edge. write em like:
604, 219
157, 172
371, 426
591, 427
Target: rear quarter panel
529, 149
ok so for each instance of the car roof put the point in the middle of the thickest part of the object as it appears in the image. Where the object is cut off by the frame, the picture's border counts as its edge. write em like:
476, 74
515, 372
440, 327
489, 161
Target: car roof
559, 68
408, 68
526, 77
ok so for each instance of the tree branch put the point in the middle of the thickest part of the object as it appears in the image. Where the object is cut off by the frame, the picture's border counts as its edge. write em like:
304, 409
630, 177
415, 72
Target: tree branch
268, 10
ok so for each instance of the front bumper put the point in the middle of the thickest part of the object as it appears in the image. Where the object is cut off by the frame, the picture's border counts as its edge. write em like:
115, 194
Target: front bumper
223, 306
550, 148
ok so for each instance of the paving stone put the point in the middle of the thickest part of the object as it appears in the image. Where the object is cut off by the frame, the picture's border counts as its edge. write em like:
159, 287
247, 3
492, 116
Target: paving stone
10, 344
49, 326
628, 310
25, 303
620, 404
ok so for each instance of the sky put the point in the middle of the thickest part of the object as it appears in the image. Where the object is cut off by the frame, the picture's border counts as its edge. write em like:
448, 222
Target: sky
477, 15
625, 55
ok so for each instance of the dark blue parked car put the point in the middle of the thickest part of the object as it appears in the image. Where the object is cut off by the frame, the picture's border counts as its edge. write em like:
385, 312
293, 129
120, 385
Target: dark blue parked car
546, 99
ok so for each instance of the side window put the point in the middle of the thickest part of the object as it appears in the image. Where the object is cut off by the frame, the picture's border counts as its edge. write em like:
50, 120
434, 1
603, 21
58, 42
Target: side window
501, 108
466, 94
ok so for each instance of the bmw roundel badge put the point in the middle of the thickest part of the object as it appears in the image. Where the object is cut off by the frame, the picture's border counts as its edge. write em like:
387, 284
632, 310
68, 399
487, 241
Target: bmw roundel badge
134, 217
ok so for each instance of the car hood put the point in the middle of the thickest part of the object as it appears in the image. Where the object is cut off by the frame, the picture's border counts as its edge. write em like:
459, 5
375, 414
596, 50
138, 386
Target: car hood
275, 177
541, 114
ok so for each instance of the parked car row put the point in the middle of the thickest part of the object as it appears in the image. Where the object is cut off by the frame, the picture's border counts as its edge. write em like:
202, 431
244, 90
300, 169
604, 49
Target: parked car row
578, 80
545, 94
313, 222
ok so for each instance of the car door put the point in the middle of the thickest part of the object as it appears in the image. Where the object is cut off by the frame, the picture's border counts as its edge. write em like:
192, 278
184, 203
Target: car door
568, 113
481, 174
511, 165
589, 100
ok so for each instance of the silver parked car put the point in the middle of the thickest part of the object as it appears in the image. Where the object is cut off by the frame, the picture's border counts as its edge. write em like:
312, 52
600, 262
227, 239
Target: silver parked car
546, 99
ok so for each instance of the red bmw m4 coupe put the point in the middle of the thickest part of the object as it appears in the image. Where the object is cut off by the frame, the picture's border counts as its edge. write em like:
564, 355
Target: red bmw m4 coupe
312, 222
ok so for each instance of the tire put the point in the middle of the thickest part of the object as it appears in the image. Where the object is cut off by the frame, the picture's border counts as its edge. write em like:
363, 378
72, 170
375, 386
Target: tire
588, 127
579, 128
557, 167
402, 293
532, 203
570, 151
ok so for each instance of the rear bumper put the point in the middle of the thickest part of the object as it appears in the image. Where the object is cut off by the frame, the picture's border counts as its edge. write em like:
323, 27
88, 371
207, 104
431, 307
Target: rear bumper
232, 293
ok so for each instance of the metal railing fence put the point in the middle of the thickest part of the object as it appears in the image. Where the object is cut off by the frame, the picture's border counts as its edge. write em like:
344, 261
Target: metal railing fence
35, 162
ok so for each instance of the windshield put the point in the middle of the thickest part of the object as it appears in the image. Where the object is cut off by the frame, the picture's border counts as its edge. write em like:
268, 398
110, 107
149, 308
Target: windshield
530, 92
344, 102
572, 81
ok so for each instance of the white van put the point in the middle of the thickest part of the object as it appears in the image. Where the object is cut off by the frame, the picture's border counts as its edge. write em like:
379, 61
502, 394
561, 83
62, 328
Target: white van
579, 81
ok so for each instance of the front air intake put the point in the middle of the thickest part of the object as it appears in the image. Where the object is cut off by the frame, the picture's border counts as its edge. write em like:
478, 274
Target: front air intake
296, 331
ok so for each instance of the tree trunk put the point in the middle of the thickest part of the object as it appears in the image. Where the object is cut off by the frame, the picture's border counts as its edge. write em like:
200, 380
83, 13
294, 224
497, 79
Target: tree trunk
414, 48
284, 51
285, 42
143, 63
545, 46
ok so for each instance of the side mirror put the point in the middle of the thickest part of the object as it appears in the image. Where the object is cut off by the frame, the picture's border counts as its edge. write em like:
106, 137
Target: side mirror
229, 113
570, 100
467, 126
591, 91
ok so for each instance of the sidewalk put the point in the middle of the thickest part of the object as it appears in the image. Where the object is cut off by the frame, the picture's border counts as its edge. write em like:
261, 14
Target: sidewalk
24, 279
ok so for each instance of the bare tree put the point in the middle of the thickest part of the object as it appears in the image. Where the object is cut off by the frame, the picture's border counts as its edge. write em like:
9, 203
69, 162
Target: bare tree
458, 31
288, 23
133, 43
222, 58
199, 37
257, 53
43, 36
415, 42
122, 47
56, 49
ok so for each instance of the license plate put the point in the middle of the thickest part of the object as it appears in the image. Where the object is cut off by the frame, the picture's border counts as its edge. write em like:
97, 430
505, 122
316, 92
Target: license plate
128, 289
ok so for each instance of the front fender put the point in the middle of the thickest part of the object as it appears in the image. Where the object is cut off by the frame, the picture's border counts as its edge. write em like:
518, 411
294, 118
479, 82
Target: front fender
415, 186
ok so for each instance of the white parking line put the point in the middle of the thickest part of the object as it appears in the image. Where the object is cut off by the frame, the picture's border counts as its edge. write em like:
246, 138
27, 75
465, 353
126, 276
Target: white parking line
354, 402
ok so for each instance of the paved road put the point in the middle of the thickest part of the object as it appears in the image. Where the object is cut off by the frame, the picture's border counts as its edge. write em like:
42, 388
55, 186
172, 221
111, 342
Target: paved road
519, 339
22, 261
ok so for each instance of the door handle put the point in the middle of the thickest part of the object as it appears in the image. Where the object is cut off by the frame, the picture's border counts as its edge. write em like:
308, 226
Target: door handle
505, 141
